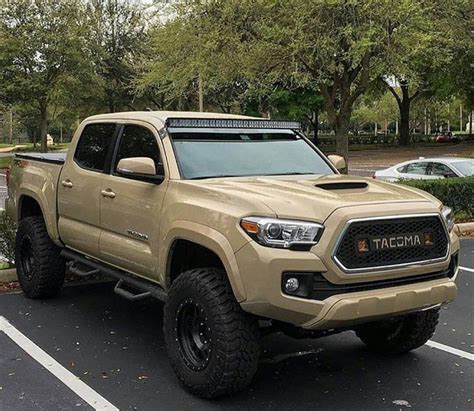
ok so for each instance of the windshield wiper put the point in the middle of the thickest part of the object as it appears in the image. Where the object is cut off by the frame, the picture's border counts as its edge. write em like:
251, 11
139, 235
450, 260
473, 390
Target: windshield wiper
293, 173
213, 176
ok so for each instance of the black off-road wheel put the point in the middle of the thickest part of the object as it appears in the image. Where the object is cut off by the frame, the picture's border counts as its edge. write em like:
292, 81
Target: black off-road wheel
399, 335
212, 343
40, 268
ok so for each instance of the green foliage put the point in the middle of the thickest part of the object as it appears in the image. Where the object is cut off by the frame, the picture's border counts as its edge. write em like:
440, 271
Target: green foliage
41, 53
242, 48
117, 40
457, 193
5, 162
7, 238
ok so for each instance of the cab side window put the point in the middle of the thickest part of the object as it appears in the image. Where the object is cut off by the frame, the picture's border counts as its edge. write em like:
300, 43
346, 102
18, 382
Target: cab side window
137, 141
93, 146
416, 168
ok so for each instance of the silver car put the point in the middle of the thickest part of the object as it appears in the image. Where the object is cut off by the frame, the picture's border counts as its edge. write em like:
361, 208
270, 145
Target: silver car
428, 169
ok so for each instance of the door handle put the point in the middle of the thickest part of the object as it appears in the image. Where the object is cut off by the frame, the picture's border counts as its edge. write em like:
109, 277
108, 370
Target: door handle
67, 183
108, 193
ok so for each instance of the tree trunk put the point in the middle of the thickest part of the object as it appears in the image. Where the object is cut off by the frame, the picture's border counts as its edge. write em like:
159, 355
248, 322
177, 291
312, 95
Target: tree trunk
342, 140
404, 107
10, 129
44, 127
316, 127
470, 126
111, 104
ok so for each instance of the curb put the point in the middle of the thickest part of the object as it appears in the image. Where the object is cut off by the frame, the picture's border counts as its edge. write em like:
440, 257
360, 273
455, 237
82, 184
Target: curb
8, 275
465, 229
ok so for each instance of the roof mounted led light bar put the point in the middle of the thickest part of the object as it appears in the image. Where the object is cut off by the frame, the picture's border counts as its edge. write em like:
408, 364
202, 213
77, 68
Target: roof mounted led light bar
231, 123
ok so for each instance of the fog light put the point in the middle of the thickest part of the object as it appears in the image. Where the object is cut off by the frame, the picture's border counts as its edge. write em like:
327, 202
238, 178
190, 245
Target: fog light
292, 284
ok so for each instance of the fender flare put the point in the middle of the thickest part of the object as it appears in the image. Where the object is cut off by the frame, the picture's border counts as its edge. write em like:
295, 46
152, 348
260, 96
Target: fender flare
49, 217
206, 237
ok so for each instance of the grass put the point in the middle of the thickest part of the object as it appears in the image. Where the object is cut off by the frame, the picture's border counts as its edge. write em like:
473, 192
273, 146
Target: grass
5, 145
5, 161
4, 265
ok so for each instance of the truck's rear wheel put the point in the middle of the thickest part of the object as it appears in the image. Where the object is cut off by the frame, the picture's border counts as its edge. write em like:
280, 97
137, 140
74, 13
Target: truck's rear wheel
399, 335
212, 343
40, 268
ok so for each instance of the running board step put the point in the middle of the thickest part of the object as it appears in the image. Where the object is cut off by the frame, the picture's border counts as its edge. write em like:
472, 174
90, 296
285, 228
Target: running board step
123, 289
129, 286
81, 270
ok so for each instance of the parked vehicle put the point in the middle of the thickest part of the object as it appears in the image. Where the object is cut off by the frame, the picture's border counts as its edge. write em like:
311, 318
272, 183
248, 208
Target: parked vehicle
242, 227
447, 137
428, 169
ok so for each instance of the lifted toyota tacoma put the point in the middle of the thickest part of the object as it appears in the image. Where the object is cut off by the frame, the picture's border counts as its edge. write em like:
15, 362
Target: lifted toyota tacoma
242, 227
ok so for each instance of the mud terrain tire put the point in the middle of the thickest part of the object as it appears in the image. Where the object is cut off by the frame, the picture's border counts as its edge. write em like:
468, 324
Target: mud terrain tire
400, 335
212, 343
40, 268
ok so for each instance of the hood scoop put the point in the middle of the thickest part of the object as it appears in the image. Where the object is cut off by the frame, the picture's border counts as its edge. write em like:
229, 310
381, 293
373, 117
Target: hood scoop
343, 185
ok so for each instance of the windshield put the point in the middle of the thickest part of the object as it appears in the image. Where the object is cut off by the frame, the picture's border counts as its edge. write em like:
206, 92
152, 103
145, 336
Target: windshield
234, 153
466, 168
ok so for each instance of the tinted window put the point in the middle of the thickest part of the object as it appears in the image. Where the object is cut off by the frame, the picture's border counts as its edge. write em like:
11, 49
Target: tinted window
93, 146
416, 168
439, 169
250, 153
138, 141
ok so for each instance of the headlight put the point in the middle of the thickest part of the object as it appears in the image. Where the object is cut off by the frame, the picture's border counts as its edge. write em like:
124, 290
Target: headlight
448, 216
273, 232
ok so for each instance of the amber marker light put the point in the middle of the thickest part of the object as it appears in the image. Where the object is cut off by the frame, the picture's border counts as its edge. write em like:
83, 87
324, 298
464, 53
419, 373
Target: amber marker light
249, 226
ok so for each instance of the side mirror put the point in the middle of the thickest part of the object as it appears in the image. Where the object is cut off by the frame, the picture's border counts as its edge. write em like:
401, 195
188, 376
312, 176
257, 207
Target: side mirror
338, 162
139, 168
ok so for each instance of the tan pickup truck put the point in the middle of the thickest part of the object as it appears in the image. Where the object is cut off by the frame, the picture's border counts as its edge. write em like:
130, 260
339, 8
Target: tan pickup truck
242, 227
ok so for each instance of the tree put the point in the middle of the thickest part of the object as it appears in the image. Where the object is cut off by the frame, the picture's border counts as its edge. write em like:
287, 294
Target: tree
117, 40
41, 51
336, 47
301, 105
423, 67
191, 52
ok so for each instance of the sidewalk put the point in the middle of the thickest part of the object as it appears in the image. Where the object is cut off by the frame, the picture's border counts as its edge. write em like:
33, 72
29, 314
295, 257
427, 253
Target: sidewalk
12, 149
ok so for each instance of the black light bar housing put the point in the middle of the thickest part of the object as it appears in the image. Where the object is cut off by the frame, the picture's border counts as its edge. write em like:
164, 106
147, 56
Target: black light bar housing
230, 123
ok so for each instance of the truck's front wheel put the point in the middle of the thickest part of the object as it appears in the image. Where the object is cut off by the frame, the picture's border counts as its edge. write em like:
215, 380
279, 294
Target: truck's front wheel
212, 343
399, 335
40, 268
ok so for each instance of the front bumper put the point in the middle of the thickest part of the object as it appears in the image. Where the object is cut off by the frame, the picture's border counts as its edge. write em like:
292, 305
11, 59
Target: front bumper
262, 268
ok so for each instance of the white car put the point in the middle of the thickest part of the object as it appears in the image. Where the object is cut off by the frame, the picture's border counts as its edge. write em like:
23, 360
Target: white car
428, 169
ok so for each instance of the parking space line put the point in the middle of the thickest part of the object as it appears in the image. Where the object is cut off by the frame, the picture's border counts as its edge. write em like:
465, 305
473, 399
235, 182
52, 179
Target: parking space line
93, 398
471, 270
451, 350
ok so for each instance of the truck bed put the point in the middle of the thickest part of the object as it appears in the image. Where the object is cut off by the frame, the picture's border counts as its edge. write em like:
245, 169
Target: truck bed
55, 158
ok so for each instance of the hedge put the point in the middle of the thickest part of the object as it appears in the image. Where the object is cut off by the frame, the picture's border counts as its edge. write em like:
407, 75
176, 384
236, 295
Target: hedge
457, 193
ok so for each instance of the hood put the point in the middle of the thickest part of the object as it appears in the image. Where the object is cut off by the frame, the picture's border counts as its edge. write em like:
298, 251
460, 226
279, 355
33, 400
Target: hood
313, 197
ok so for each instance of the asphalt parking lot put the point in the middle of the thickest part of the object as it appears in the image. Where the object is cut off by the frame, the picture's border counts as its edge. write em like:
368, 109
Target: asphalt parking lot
115, 348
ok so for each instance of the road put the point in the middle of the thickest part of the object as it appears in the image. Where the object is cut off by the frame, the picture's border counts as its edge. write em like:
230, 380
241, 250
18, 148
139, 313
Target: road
116, 349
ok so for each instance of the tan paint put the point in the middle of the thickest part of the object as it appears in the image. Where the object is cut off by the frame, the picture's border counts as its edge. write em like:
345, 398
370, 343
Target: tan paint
142, 165
133, 225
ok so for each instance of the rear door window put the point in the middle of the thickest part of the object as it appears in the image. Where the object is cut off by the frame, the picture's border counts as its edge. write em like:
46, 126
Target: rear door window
94, 145
416, 168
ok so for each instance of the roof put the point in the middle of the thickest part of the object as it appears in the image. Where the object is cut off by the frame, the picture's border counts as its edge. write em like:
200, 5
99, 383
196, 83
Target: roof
162, 116
442, 159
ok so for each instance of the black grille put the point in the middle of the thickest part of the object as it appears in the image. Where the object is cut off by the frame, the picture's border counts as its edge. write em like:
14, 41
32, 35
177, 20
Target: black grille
347, 251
